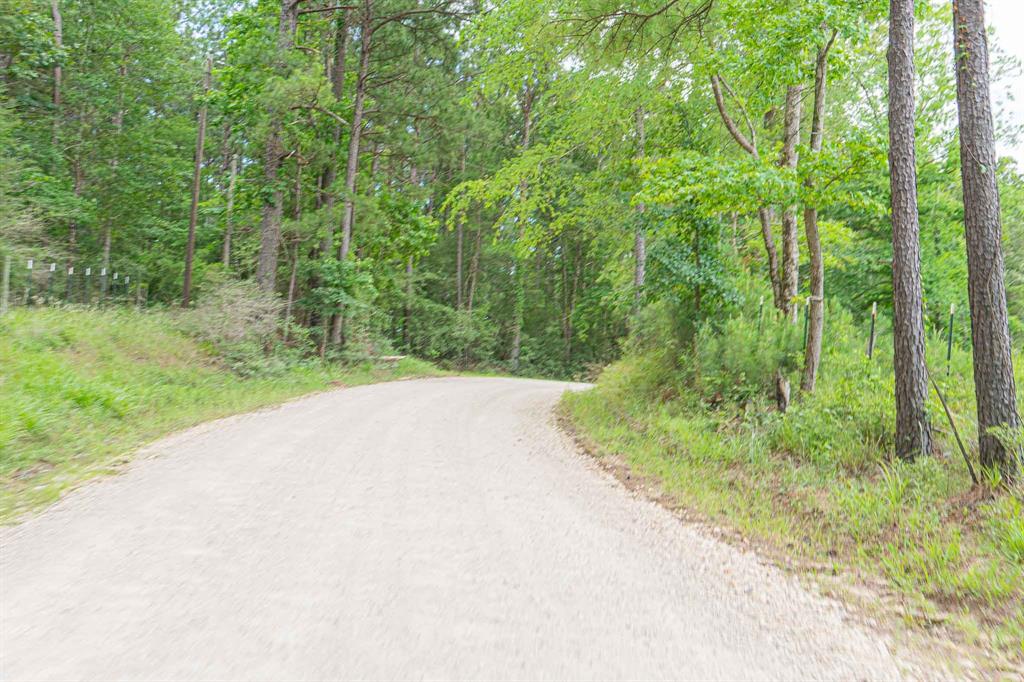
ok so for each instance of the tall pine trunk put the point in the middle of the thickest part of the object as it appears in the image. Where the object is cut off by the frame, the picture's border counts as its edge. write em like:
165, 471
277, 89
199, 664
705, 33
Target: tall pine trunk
913, 431
994, 386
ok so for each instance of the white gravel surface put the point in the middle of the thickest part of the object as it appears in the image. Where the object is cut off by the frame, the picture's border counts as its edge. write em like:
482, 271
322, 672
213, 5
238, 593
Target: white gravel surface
430, 529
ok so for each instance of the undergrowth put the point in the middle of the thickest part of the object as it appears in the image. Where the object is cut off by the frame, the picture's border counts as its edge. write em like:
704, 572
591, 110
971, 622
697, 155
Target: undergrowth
819, 481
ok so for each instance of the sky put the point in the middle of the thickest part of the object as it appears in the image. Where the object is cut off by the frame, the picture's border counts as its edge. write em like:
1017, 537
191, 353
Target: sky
1006, 17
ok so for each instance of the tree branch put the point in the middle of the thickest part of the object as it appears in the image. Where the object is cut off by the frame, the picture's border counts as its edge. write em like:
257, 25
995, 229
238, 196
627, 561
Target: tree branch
727, 119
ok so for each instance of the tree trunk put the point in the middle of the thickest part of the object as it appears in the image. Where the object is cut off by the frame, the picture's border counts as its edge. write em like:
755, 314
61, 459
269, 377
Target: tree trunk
114, 164
291, 288
459, 237
407, 307
197, 176
913, 432
519, 291
994, 387
816, 302
765, 216
355, 131
352, 163
790, 235
640, 235
229, 212
474, 270
58, 70
270, 223
337, 78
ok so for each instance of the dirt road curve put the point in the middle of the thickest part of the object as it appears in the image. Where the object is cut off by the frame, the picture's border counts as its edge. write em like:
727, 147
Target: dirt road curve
439, 529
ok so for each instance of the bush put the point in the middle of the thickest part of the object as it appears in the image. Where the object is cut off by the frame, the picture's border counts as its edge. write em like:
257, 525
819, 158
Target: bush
239, 322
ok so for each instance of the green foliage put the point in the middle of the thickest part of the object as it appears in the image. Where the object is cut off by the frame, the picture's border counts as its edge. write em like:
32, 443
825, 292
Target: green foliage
820, 479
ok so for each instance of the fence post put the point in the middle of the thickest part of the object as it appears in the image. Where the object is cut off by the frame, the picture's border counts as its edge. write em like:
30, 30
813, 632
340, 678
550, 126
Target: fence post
103, 285
67, 284
49, 282
5, 288
28, 286
871, 338
85, 285
949, 337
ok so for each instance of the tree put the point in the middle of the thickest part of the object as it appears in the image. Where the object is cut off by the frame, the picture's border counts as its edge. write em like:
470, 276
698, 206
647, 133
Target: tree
270, 224
913, 432
816, 300
994, 387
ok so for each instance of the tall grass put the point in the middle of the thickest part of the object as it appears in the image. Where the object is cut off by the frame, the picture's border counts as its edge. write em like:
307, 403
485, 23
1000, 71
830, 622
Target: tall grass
81, 389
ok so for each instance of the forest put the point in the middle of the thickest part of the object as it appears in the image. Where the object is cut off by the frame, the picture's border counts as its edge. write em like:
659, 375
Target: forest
780, 225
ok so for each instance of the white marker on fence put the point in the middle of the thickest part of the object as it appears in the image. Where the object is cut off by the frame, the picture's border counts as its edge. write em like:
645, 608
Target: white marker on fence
115, 275
29, 263
53, 267
127, 278
88, 272
103, 272
71, 269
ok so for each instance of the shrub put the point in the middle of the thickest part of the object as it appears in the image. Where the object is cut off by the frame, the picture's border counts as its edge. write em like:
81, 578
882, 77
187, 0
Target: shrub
239, 322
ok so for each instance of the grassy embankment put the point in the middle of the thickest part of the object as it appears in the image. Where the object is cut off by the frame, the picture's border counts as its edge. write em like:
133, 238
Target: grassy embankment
818, 484
80, 390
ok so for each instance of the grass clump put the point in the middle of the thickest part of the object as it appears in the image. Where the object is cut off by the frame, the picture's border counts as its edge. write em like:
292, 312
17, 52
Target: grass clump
819, 482
80, 389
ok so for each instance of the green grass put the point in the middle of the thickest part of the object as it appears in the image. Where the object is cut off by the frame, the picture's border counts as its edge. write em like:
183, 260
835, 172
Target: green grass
819, 483
80, 390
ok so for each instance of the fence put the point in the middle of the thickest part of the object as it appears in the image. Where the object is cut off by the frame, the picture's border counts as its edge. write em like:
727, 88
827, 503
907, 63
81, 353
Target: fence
31, 283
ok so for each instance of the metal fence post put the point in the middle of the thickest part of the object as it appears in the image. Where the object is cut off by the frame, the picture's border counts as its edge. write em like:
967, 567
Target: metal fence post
871, 338
28, 286
5, 291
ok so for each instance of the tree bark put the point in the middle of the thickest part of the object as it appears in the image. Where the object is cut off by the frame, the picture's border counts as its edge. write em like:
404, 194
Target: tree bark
337, 77
354, 140
913, 431
229, 212
474, 270
519, 285
270, 223
816, 302
994, 387
459, 238
790, 234
58, 70
356, 129
640, 235
114, 164
197, 176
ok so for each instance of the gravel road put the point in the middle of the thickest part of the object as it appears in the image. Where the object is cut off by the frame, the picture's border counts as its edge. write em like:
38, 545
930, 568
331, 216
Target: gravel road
429, 529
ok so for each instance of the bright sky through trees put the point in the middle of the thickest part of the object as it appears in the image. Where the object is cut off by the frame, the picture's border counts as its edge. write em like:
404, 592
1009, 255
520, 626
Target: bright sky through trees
1006, 17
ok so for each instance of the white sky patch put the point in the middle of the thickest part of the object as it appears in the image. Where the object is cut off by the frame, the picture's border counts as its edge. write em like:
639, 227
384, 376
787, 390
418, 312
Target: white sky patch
1006, 18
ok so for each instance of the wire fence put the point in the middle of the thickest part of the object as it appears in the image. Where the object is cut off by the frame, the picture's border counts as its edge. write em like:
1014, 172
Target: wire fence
28, 282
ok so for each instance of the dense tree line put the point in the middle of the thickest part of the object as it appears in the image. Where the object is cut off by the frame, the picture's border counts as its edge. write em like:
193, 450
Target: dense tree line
512, 183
